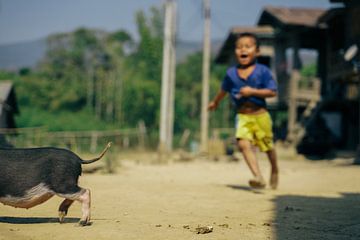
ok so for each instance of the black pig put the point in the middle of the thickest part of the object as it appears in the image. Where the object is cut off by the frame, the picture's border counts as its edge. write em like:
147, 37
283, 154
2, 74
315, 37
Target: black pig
30, 176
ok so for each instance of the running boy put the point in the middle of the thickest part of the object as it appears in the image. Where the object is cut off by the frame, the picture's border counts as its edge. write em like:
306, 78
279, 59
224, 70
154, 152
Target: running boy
248, 84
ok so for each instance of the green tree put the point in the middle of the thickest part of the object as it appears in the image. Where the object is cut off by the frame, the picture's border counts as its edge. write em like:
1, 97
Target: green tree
188, 95
143, 77
108, 78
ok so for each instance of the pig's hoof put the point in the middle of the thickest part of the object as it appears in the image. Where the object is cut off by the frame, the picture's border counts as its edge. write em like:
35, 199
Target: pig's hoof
62, 216
84, 223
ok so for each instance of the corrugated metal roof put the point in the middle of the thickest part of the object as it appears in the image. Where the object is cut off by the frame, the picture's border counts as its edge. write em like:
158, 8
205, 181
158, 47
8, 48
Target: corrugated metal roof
331, 13
293, 16
258, 30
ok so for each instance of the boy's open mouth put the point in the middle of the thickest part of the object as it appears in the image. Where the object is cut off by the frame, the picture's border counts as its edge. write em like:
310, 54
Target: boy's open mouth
244, 55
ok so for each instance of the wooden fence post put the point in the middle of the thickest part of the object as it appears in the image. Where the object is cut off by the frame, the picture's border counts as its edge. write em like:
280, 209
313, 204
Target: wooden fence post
142, 134
93, 145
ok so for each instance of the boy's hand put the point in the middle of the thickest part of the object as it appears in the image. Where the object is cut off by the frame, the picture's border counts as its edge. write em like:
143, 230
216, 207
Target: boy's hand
212, 105
246, 91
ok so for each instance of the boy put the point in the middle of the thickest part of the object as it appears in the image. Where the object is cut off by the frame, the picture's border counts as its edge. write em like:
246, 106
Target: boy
248, 84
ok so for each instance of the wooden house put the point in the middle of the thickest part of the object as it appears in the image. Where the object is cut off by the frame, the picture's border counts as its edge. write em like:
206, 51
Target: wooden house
296, 29
330, 120
340, 80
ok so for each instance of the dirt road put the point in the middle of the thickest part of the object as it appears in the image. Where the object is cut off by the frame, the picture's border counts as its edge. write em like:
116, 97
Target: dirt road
315, 200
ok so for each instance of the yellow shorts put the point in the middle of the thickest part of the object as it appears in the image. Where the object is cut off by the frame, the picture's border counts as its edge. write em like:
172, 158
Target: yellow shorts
255, 128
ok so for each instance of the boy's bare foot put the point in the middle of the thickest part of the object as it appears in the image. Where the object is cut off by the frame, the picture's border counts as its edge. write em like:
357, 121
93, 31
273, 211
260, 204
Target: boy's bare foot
257, 182
274, 180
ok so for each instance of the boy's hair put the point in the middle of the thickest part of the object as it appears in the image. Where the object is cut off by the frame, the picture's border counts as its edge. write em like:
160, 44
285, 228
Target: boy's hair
250, 35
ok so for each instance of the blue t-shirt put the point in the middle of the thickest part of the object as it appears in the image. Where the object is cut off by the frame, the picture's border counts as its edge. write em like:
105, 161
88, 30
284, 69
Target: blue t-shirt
260, 78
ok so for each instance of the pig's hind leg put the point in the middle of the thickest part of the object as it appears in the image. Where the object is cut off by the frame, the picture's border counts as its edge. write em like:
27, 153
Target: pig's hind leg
63, 209
83, 196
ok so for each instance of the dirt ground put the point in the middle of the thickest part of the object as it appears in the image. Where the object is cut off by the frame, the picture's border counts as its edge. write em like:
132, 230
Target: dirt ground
147, 200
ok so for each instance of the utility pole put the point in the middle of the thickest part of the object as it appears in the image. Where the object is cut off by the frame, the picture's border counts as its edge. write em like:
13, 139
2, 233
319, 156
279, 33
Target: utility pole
205, 79
172, 76
167, 81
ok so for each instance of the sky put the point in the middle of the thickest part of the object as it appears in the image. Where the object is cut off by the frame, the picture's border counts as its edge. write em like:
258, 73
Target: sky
27, 20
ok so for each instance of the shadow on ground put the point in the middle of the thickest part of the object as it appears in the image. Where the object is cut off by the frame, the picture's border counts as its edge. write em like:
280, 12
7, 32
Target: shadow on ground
302, 217
245, 188
35, 220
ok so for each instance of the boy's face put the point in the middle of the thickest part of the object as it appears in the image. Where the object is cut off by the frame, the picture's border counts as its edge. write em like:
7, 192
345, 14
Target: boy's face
246, 50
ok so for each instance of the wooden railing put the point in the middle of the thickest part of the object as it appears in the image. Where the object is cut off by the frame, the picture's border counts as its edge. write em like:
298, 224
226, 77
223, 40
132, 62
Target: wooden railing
303, 92
86, 141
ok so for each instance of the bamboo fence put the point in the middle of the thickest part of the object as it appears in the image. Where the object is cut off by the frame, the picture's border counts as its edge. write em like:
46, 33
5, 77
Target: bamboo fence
85, 141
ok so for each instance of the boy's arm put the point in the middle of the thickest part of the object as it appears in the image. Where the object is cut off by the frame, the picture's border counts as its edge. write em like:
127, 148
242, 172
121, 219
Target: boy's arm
215, 102
262, 93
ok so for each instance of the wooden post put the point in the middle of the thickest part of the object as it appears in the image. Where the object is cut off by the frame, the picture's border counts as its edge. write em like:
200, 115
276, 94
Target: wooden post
184, 138
294, 80
172, 77
167, 81
281, 69
142, 134
357, 157
119, 98
94, 140
98, 99
205, 80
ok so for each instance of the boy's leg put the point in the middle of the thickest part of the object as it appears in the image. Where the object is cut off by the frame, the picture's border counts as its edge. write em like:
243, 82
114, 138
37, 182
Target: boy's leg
250, 158
274, 175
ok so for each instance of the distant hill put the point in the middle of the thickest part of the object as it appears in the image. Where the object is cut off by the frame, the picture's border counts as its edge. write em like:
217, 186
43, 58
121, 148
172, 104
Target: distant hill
23, 54
28, 54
